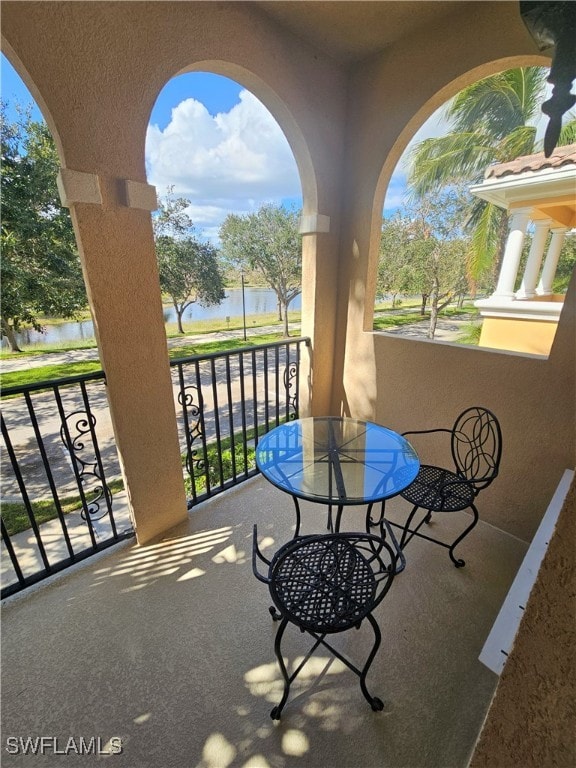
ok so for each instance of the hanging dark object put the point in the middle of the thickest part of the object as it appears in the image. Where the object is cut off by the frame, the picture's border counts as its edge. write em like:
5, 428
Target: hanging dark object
553, 25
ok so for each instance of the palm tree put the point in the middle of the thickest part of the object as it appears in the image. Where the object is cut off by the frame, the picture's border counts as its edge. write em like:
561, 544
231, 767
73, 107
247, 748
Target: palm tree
492, 121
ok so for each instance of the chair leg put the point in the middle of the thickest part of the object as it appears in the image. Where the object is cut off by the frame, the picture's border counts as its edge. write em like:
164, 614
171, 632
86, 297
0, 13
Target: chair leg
376, 703
404, 540
275, 713
459, 563
276, 615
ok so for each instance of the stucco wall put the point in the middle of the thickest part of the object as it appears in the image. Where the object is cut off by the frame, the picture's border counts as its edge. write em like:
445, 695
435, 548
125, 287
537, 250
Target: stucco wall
95, 69
533, 399
409, 384
96, 74
533, 714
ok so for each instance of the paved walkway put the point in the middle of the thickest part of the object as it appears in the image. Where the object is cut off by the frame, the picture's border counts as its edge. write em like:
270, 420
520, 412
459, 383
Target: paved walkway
446, 330
75, 355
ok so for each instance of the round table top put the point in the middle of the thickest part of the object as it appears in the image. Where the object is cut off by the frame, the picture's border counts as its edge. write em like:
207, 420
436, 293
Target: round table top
337, 461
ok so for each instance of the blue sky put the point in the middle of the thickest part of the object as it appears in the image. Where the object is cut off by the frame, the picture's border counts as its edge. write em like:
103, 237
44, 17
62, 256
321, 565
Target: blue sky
217, 145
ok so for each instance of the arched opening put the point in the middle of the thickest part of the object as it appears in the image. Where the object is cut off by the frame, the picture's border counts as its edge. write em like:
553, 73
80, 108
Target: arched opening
42, 282
229, 252
451, 212
219, 160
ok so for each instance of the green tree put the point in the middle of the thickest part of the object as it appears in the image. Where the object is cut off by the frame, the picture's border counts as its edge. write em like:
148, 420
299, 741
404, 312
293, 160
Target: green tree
433, 252
171, 218
189, 273
267, 241
189, 269
394, 270
491, 121
40, 269
566, 265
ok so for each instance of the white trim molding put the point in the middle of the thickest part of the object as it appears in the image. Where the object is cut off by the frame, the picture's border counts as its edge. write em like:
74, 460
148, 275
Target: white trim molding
520, 309
500, 641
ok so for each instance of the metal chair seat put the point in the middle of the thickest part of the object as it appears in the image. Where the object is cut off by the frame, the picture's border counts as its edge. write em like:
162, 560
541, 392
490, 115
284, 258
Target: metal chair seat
439, 490
323, 585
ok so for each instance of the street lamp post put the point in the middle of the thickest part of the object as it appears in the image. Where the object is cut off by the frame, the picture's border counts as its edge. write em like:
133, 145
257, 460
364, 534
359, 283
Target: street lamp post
243, 304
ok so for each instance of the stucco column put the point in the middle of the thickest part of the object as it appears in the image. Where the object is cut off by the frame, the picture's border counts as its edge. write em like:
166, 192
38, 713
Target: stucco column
528, 287
551, 263
114, 233
511, 261
319, 291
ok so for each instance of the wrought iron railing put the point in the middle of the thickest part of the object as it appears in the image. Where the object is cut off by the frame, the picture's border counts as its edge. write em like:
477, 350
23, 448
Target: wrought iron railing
59, 472
61, 485
225, 401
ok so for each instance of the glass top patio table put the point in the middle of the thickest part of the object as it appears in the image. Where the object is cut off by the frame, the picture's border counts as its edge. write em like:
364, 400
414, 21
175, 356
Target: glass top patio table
337, 461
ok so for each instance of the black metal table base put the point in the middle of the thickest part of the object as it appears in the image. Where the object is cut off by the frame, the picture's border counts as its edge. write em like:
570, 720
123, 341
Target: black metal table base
408, 534
386, 530
383, 525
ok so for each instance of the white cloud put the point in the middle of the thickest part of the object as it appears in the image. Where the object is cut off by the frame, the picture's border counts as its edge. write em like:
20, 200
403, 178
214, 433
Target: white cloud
232, 162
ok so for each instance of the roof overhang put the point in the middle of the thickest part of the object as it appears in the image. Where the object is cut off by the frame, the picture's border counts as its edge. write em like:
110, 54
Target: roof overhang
550, 192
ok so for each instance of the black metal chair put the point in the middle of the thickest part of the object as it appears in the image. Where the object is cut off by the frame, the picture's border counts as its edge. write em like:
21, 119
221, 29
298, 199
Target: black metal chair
327, 584
476, 445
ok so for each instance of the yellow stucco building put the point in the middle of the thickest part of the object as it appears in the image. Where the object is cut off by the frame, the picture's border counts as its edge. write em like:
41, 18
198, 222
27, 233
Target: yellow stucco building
541, 190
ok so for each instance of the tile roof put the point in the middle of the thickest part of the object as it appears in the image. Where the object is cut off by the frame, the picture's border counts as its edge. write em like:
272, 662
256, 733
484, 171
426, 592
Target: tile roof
560, 156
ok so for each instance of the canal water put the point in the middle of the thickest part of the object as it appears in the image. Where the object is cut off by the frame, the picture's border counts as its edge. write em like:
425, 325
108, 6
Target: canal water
258, 301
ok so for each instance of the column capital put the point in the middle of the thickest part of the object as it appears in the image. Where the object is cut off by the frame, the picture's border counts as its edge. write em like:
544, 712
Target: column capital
518, 214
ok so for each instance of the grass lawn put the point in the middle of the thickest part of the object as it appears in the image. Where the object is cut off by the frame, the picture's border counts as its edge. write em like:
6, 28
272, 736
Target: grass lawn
224, 345
194, 328
407, 314
50, 372
16, 518
403, 316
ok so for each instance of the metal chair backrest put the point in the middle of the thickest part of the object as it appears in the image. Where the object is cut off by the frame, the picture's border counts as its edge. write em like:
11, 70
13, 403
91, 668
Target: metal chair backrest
477, 446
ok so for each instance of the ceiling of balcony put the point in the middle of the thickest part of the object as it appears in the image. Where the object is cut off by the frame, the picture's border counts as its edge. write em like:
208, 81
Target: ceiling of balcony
351, 31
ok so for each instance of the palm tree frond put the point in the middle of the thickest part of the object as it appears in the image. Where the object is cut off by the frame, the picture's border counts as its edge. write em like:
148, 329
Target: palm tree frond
500, 102
521, 141
446, 159
484, 242
568, 132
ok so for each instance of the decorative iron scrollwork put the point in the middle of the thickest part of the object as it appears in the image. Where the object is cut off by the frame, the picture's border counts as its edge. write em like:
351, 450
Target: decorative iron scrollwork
76, 436
291, 383
190, 400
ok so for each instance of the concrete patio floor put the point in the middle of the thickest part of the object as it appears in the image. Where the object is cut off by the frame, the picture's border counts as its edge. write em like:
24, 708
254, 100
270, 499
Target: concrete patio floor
169, 647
